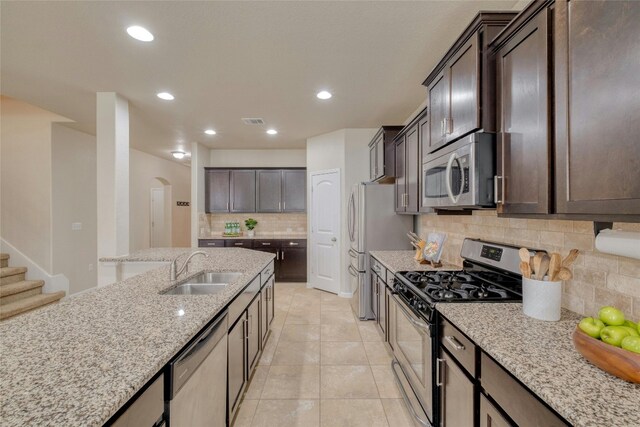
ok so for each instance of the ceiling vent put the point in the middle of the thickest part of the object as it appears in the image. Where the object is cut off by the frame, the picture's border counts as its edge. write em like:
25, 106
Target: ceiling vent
253, 121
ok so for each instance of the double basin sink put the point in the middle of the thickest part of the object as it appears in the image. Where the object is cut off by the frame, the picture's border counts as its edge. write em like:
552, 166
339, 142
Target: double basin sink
205, 283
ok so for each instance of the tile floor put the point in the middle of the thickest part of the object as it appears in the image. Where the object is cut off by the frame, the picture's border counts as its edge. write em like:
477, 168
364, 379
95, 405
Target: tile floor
321, 367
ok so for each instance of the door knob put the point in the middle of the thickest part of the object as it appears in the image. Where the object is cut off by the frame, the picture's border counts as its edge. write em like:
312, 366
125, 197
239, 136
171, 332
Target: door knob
333, 239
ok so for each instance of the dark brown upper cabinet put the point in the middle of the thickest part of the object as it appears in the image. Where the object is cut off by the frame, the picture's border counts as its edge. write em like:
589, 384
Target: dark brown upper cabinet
461, 87
597, 107
523, 104
382, 155
216, 190
408, 160
255, 190
294, 190
243, 191
269, 190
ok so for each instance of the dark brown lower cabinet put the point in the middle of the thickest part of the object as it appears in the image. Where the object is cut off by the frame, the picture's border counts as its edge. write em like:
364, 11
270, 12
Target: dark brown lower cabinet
253, 333
456, 394
490, 416
293, 265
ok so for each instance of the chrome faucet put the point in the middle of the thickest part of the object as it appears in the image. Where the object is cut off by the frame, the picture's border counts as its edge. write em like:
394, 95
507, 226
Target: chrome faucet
174, 265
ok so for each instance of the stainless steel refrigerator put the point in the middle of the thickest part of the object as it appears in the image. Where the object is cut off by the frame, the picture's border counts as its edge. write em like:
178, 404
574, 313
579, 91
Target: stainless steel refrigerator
372, 225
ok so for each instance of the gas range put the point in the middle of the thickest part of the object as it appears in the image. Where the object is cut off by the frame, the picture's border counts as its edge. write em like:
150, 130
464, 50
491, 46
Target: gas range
490, 273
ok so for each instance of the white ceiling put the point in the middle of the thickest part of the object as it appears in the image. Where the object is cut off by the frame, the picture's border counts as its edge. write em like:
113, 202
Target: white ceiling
227, 60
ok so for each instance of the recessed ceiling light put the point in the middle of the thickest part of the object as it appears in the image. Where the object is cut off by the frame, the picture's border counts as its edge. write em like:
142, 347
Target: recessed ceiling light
272, 132
210, 132
324, 94
166, 96
178, 154
140, 33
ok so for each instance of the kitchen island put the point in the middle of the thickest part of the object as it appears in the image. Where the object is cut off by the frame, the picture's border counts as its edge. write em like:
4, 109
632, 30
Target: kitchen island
78, 362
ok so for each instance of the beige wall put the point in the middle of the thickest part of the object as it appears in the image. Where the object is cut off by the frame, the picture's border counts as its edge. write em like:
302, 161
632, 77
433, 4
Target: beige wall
25, 163
257, 158
73, 189
144, 169
599, 279
348, 151
269, 224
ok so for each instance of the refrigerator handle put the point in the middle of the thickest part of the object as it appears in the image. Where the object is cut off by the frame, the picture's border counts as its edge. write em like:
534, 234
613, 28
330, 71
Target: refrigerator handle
351, 216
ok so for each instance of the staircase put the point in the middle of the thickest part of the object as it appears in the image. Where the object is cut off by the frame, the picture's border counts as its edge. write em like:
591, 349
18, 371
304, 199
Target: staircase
18, 295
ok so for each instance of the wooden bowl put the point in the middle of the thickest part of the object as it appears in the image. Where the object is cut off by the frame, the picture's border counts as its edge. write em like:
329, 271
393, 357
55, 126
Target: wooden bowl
614, 360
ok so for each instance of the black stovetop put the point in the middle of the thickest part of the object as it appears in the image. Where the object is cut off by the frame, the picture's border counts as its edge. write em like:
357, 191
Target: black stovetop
472, 284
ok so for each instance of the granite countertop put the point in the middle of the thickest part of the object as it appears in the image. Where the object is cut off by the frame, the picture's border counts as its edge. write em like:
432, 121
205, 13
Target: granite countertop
404, 261
542, 356
277, 236
77, 362
152, 255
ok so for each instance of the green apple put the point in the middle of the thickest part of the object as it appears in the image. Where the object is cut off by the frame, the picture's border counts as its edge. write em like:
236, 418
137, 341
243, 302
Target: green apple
639, 327
632, 331
611, 316
631, 343
591, 326
613, 335
630, 323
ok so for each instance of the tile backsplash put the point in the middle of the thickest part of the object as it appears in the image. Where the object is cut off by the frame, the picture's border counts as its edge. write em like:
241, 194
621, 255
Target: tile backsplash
599, 279
212, 225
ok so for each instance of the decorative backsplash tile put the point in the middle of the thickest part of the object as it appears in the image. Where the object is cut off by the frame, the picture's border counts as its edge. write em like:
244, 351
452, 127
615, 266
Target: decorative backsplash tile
212, 225
599, 279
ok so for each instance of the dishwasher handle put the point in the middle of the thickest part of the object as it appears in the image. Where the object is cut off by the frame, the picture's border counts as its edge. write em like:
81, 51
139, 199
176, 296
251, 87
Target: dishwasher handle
190, 358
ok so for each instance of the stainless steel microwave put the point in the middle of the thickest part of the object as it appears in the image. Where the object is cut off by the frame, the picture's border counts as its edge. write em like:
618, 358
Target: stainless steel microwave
460, 175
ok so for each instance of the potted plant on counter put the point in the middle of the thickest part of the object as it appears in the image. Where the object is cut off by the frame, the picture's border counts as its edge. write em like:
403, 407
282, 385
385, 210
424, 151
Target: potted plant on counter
250, 223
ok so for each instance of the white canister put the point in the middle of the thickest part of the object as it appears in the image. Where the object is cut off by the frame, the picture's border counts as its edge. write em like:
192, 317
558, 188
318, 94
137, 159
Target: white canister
541, 300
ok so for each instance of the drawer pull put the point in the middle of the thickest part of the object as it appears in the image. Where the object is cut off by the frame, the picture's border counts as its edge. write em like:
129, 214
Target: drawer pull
238, 243
293, 244
266, 244
454, 342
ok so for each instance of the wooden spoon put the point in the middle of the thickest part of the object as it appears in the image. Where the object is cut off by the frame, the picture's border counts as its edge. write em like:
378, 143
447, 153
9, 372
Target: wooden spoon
524, 255
525, 268
569, 259
544, 267
554, 266
564, 274
537, 259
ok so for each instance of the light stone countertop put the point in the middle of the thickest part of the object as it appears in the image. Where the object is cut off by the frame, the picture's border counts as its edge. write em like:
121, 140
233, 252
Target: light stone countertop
152, 255
542, 356
77, 362
404, 261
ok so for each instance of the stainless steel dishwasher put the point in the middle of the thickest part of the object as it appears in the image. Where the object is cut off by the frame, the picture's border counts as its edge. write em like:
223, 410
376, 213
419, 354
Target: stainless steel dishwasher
198, 380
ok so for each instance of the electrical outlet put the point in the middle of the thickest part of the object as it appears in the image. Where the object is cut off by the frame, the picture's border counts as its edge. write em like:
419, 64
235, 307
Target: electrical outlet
76, 226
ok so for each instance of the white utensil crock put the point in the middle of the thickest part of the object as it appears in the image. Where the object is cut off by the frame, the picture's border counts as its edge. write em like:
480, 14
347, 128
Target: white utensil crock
541, 300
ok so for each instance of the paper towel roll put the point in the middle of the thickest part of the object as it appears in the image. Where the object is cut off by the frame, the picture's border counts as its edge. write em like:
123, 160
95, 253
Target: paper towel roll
623, 243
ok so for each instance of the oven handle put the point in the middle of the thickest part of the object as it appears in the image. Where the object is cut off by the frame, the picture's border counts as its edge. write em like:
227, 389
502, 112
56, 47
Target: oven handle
407, 402
409, 317
453, 158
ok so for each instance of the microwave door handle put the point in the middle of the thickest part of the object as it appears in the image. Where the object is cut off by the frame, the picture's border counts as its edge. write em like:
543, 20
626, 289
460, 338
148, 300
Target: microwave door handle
448, 178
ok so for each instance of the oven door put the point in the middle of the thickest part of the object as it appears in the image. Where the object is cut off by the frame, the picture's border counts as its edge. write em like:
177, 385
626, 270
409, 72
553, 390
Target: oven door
412, 348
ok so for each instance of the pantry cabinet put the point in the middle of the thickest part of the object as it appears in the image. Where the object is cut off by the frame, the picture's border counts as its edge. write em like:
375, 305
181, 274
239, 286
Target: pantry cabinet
523, 103
597, 87
460, 88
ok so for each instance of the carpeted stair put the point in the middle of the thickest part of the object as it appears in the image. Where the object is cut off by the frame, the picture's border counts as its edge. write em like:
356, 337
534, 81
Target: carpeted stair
19, 295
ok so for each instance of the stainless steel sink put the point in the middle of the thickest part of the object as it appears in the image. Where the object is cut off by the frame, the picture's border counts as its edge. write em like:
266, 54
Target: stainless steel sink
205, 283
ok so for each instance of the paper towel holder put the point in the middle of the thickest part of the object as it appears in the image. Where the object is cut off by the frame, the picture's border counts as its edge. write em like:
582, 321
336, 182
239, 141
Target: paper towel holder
598, 226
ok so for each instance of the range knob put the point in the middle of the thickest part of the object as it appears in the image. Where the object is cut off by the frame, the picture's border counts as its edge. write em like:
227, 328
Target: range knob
421, 306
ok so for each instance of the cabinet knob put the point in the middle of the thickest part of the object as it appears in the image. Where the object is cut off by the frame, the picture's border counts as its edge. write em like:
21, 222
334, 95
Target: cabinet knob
333, 239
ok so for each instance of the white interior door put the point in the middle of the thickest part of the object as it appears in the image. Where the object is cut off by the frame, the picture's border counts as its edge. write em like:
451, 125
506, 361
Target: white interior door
157, 217
325, 230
